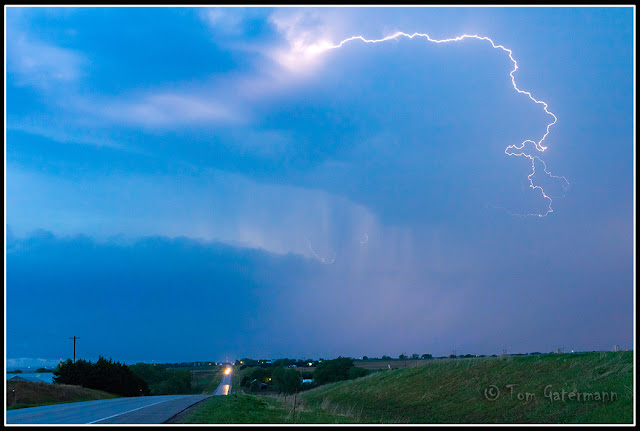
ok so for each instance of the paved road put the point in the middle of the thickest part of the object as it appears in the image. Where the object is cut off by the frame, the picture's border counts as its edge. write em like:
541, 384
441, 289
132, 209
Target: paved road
135, 410
225, 386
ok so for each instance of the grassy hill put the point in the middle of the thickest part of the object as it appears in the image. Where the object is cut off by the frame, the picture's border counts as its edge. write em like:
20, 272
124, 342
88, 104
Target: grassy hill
31, 394
243, 408
555, 388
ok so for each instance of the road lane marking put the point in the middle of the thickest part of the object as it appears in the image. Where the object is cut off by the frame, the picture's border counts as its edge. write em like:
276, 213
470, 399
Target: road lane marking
124, 413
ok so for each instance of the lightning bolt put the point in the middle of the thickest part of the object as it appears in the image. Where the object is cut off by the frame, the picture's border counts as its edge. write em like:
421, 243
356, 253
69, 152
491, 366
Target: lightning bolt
321, 259
511, 150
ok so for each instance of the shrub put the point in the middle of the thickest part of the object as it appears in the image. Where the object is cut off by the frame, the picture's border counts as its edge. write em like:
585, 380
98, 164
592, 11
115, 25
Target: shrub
355, 372
333, 370
163, 381
286, 381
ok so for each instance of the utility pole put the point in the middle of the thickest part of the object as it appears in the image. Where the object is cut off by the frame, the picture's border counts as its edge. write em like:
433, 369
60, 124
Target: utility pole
74, 338
294, 405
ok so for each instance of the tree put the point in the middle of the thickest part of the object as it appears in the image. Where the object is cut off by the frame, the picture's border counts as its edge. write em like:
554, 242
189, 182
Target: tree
163, 381
152, 374
427, 356
105, 375
355, 372
415, 356
284, 362
386, 357
179, 382
286, 381
333, 370
260, 374
76, 373
365, 358
247, 362
402, 356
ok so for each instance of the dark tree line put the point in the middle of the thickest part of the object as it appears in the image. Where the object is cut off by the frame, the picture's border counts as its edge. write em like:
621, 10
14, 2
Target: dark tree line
163, 381
282, 362
287, 380
337, 369
104, 375
282, 380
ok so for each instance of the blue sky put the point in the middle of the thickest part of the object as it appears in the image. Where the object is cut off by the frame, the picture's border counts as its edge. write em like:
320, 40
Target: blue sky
201, 183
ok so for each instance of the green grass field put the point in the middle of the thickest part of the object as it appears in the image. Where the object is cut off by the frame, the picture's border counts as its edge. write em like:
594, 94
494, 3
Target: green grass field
242, 408
555, 388
31, 394
526, 389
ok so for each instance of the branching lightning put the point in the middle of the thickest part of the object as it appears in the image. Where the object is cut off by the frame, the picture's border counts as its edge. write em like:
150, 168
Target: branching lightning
511, 150
324, 260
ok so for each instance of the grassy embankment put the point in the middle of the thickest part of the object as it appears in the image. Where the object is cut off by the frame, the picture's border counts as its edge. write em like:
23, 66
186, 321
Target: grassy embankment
32, 394
463, 391
527, 389
256, 409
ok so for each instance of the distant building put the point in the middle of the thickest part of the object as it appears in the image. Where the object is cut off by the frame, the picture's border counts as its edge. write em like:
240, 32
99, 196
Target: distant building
257, 383
616, 348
